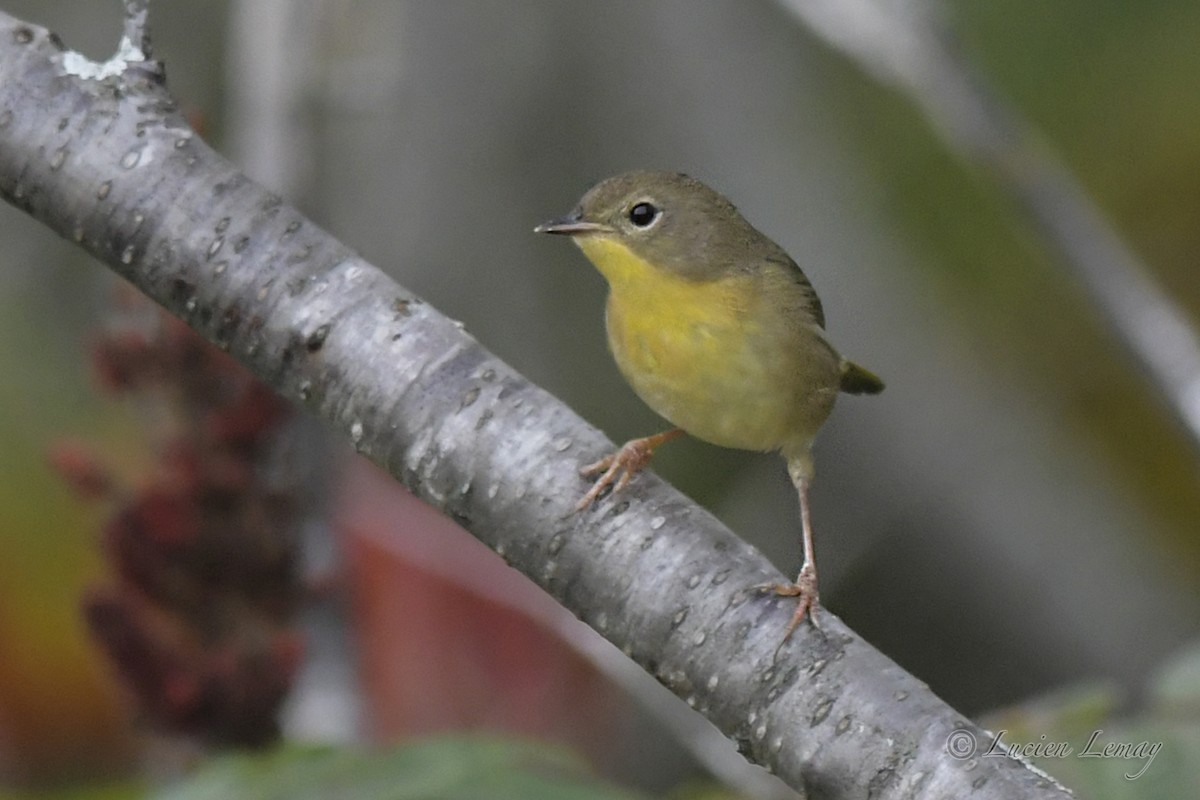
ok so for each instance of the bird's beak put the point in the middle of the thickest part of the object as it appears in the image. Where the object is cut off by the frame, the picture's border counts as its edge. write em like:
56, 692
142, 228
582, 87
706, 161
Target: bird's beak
571, 225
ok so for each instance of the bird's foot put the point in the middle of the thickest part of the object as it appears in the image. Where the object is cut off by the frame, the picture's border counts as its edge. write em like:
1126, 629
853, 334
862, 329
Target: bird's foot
622, 465
617, 469
807, 598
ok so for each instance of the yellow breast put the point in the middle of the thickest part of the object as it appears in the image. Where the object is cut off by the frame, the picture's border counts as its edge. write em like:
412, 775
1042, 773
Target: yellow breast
722, 359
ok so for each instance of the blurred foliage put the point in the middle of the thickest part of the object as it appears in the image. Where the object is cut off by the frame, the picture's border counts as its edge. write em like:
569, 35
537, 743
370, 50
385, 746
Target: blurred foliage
449, 768
1084, 718
1111, 87
58, 712
703, 790
199, 615
109, 791
1154, 755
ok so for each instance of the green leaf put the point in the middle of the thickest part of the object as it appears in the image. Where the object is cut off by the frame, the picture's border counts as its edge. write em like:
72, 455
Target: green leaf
1152, 756
458, 768
128, 790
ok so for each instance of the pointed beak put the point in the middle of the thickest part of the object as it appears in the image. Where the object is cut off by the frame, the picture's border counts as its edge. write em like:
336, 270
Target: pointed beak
571, 225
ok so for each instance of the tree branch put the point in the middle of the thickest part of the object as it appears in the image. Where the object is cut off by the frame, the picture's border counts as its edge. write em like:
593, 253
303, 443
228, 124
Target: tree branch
109, 163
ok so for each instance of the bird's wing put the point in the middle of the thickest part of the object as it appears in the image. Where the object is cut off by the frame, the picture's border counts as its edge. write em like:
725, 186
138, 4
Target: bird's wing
807, 292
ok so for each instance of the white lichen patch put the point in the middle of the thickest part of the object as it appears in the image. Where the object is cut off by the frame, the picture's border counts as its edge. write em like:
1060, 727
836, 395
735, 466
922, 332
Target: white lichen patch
79, 65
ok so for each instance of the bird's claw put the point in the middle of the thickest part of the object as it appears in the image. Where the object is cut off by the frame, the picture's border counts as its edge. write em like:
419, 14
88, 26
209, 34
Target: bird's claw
618, 469
807, 599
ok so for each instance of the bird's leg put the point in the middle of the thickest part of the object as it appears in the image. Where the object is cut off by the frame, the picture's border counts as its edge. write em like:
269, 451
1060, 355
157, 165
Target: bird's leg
620, 467
805, 587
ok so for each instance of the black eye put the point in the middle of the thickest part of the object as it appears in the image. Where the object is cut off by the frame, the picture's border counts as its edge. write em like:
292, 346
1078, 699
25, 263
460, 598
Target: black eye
643, 214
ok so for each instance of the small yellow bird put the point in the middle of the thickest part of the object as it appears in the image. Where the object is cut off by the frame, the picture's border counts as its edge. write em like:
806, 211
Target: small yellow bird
715, 328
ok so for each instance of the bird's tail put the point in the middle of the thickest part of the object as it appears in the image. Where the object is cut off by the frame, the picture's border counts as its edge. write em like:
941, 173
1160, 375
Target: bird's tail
858, 380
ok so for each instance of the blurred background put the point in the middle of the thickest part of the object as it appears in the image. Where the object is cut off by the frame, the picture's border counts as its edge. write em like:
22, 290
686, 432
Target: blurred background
1017, 513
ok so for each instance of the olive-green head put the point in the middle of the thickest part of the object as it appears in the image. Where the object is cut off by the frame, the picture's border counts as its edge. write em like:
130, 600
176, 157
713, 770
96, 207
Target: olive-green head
670, 220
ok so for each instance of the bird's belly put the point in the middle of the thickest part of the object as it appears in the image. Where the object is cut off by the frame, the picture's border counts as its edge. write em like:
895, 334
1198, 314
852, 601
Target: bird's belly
725, 378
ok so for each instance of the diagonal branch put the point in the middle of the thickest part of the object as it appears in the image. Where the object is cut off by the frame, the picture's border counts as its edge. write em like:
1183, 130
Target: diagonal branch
110, 164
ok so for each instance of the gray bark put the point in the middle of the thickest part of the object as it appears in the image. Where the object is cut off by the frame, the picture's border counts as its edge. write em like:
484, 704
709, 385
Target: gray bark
110, 164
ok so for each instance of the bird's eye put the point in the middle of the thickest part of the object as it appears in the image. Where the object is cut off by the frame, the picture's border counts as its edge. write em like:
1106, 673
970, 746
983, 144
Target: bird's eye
643, 214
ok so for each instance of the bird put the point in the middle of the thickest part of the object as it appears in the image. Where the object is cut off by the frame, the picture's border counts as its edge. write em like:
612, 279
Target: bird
716, 329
